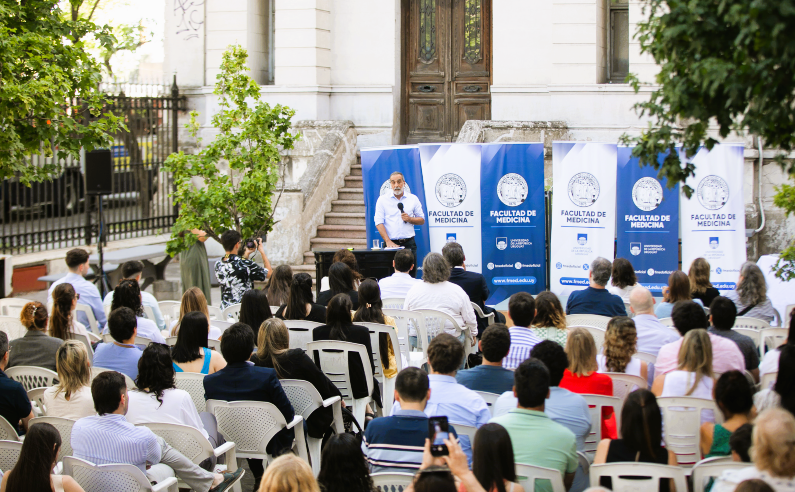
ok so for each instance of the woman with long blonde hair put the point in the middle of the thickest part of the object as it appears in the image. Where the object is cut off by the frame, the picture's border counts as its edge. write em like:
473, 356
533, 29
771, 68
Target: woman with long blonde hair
550, 319
288, 473
621, 343
700, 286
279, 285
71, 397
62, 320
193, 300
693, 375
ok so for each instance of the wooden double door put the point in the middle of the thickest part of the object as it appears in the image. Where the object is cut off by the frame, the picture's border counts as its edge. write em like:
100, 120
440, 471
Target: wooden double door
446, 67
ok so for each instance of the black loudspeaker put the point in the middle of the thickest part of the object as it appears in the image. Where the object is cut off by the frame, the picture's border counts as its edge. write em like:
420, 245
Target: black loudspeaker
99, 172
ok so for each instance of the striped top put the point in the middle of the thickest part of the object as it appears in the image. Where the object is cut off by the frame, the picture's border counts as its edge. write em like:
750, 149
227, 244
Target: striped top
522, 342
110, 439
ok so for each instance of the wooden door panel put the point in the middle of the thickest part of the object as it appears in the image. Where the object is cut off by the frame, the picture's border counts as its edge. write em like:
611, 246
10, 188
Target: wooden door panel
470, 88
471, 50
427, 119
428, 35
470, 109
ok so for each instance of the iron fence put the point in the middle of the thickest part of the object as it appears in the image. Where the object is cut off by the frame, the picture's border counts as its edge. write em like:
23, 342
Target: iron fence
59, 214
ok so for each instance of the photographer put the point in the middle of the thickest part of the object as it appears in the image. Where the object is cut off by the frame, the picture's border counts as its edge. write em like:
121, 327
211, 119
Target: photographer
235, 274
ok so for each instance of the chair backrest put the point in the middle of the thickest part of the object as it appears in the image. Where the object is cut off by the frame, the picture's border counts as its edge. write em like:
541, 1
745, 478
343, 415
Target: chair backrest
101, 478
85, 341
786, 317
249, 424
107, 338
393, 303
12, 327
527, 475
64, 427
624, 384
435, 321
595, 404
36, 397
214, 344
712, 468
598, 335
32, 376
628, 310
333, 357
193, 383
392, 482
96, 370
587, 320
232, 312
417, 322
221, 325
682, 423
648, 358
149, 313
9, 454
753, 334
7, 432
186, 439
480, 314
171, 341
300, 332
402, 323
215, 313
619, 473
466, 430
752, 323
489, 398
169, 310
92, 320
667, 321
768, 379
773, 338
305, 399
375, 330
12, 306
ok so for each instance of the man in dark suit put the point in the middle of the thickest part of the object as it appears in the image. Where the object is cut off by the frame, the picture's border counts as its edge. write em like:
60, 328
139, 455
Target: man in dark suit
474, 284
240, 381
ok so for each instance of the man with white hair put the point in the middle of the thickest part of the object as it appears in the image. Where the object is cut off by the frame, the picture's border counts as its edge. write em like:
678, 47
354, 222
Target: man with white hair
596, 299
652, 334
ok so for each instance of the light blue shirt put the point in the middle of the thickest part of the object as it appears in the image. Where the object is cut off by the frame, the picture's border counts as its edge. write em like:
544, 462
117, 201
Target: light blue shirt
89, 296
147, 299
652, 334
388, 213
458, 403
664, 309
109, 439
123, 359
146, 328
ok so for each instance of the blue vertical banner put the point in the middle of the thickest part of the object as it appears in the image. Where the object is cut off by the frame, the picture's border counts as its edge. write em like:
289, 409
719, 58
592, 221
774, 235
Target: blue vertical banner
377, 165
512, 219
647, 222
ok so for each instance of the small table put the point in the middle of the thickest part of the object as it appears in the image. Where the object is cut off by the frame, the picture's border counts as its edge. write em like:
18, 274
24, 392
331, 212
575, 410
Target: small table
372, 263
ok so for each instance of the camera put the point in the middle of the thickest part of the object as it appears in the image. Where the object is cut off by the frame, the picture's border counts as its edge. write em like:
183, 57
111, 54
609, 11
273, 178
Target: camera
251, 243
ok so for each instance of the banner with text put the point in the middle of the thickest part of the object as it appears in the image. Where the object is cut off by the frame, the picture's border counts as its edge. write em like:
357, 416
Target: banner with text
451, 174
513, 239
583, 211
377, 165
648, 221
713, 219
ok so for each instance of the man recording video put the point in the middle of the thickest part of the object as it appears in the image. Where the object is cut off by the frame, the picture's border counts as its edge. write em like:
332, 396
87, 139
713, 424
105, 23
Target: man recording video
235, 274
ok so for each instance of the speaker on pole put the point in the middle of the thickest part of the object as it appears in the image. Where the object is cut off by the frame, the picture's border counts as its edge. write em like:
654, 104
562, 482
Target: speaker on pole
99, 172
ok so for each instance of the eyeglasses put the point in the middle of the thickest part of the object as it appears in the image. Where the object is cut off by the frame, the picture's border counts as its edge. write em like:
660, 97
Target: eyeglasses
77, 297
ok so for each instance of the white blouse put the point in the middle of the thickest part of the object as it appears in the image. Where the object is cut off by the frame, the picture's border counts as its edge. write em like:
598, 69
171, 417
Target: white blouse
177, 408
80, 404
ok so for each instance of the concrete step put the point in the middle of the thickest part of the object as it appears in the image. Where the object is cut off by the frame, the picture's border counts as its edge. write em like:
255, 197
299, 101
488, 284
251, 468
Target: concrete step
309, 258
347, 206
353, 181
345, 218
338, 243
350, 194
356, 170
342, 231
310, 269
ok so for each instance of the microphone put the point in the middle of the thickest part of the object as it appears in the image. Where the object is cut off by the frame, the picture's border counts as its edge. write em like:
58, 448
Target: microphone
400, 207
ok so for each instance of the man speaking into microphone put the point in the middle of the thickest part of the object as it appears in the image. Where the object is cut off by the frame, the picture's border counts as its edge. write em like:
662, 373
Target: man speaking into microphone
397, 214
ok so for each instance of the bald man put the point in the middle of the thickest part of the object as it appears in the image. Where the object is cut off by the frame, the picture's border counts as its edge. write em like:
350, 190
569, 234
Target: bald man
651, 333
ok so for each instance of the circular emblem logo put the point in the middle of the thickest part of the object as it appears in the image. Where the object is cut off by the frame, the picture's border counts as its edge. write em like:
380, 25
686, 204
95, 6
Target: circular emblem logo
647, 194
558, 265
451, 190
387, 190
583, 189
650, 272
586, 266
719, 270
512, 189
518, 265
713, 192
490, 266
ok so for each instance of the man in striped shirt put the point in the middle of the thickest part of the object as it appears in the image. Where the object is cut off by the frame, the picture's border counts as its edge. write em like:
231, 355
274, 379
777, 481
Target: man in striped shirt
521, 310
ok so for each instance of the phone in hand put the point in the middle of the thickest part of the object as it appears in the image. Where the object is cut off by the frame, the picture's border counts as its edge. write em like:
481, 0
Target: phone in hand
437, 433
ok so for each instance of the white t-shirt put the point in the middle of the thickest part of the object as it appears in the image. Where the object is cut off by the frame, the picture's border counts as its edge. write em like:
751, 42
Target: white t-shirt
177, 408
622, 293
770, 362
80, 404
677, 383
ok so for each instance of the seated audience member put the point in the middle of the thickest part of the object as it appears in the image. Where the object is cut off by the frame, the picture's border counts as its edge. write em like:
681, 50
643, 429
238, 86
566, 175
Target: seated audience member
735, 401
241, 381
740, 443
341, 281
37, 458
652, 334
582, 376
521, 311
343, 467
35, 348
490, 376
371, 311
678, 289
289, 473
700, 286
688, 315
537, 440
722, 314
750, 294
279, 285
254, 309
237, 274
460, 404
473, 283
622, 279
193, 300
754, 485
395, 443
190, 353
770, 361
108, 438
344, 256
77, 262
299, 303
63, 321
71, 397
596, 299
782, 393
274, 352
121, 355
133, 270
549, 322
772, 454
641, 435
128, 294
397, 285
492, 459
619, 346
435, 291
449, 473
14, 405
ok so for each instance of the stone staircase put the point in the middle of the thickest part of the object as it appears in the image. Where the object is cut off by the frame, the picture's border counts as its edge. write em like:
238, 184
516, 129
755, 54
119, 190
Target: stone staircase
344, 226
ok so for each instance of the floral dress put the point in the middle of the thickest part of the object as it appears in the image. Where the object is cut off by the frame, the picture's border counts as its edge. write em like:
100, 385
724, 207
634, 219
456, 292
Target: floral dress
236, 276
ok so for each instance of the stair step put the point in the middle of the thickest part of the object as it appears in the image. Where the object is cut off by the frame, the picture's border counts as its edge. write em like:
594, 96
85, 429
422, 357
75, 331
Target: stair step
345, 218
337, 243
347, 206
350, 194
309, 258
353, 181
356, 170
342, 231
310, 269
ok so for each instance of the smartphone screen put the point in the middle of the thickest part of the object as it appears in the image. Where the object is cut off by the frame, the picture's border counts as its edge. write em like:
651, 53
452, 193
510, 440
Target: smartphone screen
438, 432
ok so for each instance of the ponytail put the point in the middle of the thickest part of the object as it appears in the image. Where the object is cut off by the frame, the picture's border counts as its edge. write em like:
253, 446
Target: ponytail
34, 316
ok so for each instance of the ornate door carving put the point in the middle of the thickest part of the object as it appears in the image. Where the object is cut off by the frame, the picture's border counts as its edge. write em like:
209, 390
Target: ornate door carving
447, 67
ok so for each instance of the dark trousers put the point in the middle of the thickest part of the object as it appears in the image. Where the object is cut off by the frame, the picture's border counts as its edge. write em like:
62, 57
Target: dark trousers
410, 243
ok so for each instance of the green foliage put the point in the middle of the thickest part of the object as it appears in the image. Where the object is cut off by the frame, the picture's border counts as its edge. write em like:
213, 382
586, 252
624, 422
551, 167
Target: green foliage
722, 62
49, 103
248, 142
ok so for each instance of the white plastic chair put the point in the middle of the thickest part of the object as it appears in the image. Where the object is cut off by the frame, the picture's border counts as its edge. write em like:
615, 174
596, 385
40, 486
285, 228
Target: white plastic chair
305, 399
624, 384
92, 320
772, 338
7, 432
598, 335
215, 313
768, 379
12, 327
755, 335
64, 427
480, 314
786, 317
489, 398
97, 370
85, 341
252, 424
32, 376
595, 405
300, 332
232, 311
388, 384
221, 325
107, 338
9, 454
170, 311
667, 321
392, 482
628, 310
647, 358
435, 322
418, 357
712, 468
118, 478
193, 384
36, 397
618, 473
587, 320
393, 303
171, 341
193, 445
333, 357
12, 306
750, 323
401, 323
149, 313
682, 423
526, 476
